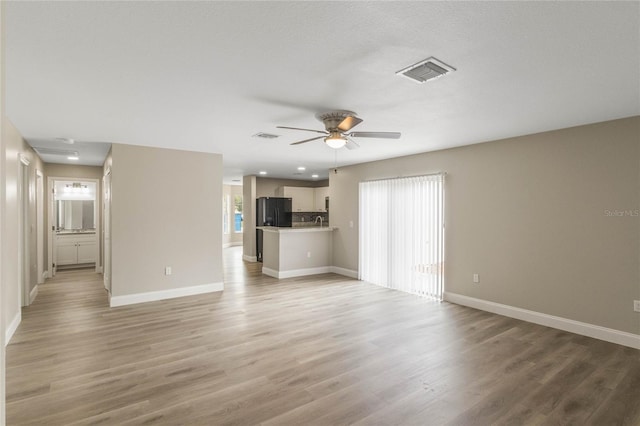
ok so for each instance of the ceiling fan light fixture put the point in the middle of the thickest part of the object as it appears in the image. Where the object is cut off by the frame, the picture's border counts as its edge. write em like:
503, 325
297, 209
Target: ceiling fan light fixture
335, 140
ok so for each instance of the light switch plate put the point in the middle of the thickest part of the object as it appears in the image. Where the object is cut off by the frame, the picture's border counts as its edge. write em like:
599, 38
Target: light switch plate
167, 270
636, 305
476, 278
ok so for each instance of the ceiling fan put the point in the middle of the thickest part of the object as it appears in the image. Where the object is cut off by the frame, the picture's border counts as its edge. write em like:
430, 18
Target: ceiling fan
337, 124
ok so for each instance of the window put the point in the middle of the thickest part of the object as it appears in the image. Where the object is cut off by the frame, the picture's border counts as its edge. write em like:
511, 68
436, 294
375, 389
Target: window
402, 234
237, 213
225, 214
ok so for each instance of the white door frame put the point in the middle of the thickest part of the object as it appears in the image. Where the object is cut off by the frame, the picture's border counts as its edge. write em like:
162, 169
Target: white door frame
51, 220
106, 237
23, 230
40, 225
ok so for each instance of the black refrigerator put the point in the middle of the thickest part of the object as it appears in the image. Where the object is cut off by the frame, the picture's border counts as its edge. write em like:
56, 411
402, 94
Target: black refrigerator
271, 211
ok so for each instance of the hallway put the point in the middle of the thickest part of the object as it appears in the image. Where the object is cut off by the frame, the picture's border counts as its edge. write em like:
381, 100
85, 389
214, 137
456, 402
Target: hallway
314, 350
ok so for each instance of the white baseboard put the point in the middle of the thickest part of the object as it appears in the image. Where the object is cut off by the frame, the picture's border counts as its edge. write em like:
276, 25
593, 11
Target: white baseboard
33, 294
13, 326
249, 258
296, 272
585, 329
98, 269
346, 272
152, 296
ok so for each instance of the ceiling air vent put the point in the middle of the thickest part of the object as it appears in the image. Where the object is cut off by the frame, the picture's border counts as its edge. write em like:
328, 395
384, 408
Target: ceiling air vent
54, 151
265, 135
426, 70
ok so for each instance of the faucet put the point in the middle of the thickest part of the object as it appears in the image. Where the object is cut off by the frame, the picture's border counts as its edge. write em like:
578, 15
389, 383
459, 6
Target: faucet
319, 217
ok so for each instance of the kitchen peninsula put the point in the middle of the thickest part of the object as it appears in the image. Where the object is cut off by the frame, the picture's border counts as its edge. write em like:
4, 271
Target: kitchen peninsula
296, 251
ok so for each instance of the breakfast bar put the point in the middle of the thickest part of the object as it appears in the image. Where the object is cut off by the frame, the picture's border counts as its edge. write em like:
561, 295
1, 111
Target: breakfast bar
297, 251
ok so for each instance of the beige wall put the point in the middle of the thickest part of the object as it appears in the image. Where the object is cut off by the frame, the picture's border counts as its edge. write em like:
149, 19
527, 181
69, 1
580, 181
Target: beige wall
2, 210
232, 238
76, 172
268, 187
14, 146
165, 211
528, 215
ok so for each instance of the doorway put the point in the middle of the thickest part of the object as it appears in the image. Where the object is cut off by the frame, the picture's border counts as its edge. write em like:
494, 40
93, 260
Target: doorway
74, 223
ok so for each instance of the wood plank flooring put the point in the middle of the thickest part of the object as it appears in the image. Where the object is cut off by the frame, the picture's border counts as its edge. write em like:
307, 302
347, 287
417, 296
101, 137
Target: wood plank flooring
321, 350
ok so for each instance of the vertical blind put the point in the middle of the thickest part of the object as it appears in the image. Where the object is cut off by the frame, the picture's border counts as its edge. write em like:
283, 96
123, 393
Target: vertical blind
402, 234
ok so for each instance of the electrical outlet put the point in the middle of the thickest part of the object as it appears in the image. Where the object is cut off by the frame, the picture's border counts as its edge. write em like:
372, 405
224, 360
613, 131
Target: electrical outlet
167, 270
476, 278
636, 305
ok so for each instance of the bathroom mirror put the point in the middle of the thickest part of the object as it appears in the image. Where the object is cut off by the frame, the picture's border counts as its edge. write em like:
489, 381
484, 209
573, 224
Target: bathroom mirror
75, 215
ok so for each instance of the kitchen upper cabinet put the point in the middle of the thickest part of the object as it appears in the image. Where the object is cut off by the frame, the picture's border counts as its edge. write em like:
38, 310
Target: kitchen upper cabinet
302, 199
305, 199
319, 195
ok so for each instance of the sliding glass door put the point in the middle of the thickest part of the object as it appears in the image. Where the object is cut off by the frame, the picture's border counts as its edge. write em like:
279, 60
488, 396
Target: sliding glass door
402, 234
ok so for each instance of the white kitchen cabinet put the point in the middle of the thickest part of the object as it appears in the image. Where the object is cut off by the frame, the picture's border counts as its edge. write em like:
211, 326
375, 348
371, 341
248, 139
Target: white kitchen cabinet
302, 199
305, 199
75, 249
319, 195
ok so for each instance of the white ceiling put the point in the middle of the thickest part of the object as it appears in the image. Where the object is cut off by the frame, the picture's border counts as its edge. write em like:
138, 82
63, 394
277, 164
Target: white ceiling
206, 76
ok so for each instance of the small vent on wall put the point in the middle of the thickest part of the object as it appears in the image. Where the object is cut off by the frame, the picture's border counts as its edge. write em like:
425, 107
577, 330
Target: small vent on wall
426, 70
266, 135
54, 151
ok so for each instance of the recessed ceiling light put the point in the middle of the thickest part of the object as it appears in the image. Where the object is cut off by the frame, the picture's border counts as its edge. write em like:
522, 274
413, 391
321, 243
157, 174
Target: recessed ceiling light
262, 173
235, 180
73, 158
302, 169
314, 176
68, 141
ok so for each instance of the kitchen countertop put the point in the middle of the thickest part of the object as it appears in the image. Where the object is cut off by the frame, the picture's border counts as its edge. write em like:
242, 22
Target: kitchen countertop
284, 230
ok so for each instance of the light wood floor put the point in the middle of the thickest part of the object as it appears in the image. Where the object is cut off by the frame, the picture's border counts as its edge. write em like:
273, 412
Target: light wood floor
320, 350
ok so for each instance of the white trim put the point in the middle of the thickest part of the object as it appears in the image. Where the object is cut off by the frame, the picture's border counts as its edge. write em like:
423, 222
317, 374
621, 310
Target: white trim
343, 271
152, 296
246, 258
33, 294
98, 269
13, 326
597, 332
296, 272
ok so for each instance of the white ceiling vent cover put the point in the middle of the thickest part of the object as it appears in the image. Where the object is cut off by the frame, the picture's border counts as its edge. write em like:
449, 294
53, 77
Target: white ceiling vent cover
426, 70
265, 135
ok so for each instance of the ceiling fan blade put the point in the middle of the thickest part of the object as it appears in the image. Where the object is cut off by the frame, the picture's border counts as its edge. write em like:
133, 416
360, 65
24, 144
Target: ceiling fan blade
306, 130
349, 123
306, 140
379, 135
351, 144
